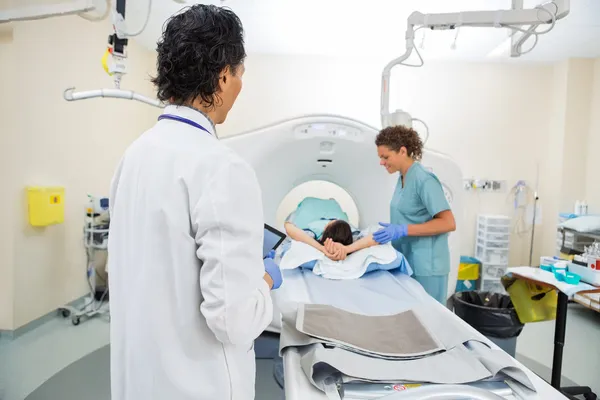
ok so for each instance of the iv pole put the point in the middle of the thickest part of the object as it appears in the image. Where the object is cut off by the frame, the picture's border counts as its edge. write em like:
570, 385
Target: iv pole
536, 197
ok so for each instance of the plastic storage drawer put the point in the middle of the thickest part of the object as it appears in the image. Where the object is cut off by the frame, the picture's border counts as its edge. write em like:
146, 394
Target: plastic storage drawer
570, 240
495, 220
492, 285
491, 244
491, 271
493, 236
505, 229
492, 256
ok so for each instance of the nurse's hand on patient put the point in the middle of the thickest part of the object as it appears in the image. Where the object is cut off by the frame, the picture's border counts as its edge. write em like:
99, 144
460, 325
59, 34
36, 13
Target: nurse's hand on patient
390, 232
273, 272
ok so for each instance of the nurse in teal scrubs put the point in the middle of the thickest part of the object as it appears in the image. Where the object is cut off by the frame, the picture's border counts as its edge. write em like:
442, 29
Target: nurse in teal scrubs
420, 215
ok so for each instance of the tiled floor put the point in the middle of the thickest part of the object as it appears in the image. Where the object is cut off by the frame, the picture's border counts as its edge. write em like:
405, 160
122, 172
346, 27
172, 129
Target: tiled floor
27, 362
36, 356
77, 360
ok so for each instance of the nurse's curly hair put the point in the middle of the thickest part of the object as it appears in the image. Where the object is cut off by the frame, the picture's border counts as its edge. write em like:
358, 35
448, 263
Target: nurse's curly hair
396, 137
196, 46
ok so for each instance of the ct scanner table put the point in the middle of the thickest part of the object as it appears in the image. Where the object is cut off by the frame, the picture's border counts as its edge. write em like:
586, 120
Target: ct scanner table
298, 387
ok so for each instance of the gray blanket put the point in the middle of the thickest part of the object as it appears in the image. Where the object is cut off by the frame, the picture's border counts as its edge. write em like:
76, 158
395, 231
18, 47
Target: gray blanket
389, 336
450, 354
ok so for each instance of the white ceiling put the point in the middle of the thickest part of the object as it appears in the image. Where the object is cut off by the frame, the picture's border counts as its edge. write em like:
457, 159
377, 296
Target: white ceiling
353, 28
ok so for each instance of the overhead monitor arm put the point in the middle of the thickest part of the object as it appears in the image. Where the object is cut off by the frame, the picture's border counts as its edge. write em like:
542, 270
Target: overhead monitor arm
89, 9
547, 13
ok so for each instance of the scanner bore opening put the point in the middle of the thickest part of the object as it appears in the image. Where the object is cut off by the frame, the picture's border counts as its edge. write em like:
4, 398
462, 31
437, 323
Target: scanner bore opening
322, 190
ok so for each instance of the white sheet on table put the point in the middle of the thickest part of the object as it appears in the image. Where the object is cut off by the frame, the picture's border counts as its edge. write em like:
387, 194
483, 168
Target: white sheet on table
293, 290
380, 285
540, 275
382, 293
375, 293
386, 292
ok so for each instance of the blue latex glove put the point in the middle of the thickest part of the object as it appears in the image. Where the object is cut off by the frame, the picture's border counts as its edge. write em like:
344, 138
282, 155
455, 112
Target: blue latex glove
273, 270
390, 232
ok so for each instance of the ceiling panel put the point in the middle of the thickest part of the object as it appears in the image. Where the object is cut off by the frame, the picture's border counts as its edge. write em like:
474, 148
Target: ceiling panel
376, 29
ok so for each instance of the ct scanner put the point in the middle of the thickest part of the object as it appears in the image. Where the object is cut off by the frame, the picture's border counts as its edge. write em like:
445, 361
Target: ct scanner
341, 151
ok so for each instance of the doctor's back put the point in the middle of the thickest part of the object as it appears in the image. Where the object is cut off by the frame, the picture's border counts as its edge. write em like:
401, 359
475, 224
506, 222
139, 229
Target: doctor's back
187, 286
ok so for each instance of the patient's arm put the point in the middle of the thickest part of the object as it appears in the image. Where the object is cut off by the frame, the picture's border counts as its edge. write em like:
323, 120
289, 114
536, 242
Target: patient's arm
360, 244
299, 235
337, 251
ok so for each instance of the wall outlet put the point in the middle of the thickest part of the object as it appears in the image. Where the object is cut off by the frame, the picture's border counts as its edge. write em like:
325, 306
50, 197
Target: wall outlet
484, 185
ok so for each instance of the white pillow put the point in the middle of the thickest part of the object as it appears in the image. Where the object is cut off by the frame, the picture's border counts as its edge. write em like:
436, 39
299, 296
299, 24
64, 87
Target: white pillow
586, 223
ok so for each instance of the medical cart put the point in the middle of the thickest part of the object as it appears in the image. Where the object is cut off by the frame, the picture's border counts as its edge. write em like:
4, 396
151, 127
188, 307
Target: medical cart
95, 233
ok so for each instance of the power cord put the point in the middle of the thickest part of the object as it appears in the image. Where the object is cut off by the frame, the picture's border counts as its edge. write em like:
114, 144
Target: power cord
426, 129
100, 18
532, 29
416, 49
520, 227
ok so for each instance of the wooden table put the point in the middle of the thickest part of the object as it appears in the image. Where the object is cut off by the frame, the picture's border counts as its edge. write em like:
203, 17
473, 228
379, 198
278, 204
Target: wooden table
589, 300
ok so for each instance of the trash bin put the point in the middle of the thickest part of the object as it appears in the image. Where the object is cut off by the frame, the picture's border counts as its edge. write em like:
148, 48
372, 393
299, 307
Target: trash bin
491, 314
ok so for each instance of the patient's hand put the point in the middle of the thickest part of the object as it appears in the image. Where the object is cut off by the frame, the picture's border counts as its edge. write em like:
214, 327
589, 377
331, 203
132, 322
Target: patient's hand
335, 251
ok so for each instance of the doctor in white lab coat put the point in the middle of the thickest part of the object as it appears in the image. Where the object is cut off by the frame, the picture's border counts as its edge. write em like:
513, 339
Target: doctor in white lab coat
189, 289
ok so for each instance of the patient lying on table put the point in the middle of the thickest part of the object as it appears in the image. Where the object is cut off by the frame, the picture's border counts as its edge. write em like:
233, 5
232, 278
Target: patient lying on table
323, 225
321, 238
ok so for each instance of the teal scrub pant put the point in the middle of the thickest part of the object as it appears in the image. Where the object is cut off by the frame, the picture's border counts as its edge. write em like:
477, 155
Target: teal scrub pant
435, 286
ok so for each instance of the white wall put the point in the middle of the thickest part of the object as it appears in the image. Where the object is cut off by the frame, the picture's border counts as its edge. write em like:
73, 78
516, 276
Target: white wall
577, 130
46, 140
568, 165
7, 69
592, 184
491, 118
496, 120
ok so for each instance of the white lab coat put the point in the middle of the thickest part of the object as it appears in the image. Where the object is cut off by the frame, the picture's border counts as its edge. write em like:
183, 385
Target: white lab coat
185, 264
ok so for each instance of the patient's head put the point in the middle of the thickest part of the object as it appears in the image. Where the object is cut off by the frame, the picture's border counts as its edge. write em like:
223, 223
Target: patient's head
339, 231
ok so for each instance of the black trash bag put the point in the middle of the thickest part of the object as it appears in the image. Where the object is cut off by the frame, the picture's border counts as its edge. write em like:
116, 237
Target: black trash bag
492, 314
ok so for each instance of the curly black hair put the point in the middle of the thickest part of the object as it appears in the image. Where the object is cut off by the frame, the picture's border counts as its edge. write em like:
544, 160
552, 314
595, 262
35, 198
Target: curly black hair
195, 47
396, 137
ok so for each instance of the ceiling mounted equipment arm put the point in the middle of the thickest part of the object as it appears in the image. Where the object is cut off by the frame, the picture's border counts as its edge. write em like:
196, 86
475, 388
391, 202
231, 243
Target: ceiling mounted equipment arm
71, 95
114, 63
89, 9
547, 14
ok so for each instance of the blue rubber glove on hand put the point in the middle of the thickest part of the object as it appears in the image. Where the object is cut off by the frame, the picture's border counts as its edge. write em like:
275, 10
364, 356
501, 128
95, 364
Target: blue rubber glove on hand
273, 270
390, 232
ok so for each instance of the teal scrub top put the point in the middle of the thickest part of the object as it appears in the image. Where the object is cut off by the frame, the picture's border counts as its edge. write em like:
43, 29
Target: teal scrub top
417, 202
